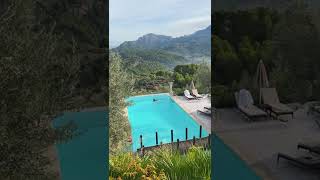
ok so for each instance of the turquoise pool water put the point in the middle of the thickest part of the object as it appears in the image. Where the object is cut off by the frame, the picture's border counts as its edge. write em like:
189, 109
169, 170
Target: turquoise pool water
85, 156
147, 117
227, 165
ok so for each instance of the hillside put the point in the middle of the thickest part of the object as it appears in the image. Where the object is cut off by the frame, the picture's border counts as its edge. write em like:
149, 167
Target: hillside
195, 45
151, 56
148, 41
167, 50
248, 4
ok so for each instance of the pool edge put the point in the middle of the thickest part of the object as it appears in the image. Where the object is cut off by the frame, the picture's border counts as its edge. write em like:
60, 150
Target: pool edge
192, 116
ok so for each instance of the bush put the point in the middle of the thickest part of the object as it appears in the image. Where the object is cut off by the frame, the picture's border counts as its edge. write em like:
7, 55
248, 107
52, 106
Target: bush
203, 78
160, 73
196, 164
162, 164
132, 167
178, 91
222, 96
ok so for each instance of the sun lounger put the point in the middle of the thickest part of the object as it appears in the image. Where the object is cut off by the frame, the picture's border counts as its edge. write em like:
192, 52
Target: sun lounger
209, 108
305, 161
314, 108
188, 96
195, 93
311, 148
318, 122
270, 98
205, 112
245, 104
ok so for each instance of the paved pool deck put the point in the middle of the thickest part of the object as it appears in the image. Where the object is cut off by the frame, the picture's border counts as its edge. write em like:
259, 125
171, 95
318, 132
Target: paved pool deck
258, 142
191, 107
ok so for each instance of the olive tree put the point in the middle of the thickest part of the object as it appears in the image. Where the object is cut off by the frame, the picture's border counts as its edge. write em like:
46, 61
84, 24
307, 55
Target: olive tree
203, 78
38, 75
120, 86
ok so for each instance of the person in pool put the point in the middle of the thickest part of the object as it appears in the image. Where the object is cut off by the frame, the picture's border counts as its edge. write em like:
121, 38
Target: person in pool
154, 100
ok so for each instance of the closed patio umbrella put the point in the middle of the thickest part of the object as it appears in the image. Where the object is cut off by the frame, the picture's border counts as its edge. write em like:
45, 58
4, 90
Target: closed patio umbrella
192, 85
261, 78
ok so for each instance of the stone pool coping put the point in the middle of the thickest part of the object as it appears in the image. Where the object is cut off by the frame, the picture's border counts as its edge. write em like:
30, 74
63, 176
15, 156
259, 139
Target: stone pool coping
192, 112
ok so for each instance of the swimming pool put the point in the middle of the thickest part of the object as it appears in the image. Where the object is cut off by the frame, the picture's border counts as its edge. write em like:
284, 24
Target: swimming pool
227, 165
147, 117
85, 156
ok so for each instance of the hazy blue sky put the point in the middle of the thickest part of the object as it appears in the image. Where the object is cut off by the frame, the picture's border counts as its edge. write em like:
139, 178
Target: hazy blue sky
130, 19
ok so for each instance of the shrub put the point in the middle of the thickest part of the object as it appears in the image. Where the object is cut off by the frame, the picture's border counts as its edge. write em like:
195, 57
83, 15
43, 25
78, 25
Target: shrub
162, 164
222, 96
196, 164
178, 91
132, 167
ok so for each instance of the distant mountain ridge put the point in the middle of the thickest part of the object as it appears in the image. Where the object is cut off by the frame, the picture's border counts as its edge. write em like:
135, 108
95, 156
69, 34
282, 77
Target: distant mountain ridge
169, 51
231, 5
150, 41
191, 46
199, 39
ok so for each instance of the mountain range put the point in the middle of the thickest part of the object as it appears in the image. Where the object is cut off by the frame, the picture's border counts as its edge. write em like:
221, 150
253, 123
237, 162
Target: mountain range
231, 5
169, 51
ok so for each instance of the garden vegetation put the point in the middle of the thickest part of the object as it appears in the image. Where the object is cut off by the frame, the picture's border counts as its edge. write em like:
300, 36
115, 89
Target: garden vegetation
163, 164
288, 42
41, 68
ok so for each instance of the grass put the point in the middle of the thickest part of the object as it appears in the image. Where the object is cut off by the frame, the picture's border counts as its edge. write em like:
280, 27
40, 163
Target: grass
162, 164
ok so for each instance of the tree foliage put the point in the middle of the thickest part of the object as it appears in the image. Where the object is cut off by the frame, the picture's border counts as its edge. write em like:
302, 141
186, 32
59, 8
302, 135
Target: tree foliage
120, 87
203, 78
287, 41
184, 74
226, 62
158, 56
296, 52
38, 73
84, 23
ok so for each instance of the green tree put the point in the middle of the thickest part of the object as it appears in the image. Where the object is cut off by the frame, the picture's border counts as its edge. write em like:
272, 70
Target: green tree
184, 74
39, 74
190, 69
296, 45
266, 53
245, 82
226, 62
248, 55
203, 78
120, 86
88, 29
179, 80
188, 78
160, 73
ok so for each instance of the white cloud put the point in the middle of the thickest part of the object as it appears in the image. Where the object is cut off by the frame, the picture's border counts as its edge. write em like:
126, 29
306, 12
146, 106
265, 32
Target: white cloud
189, 25
195, 20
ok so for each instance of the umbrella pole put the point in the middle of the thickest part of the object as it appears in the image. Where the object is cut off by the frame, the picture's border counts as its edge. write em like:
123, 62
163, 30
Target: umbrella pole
260, 96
